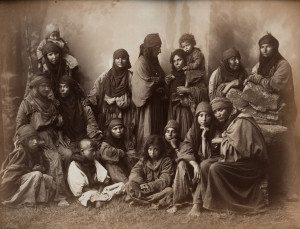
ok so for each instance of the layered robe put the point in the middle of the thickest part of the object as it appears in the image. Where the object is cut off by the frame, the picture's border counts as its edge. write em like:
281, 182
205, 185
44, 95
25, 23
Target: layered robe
237, 181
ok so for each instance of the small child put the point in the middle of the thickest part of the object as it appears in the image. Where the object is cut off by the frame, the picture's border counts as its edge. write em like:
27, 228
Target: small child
151, 178
195, 67
53, 34
86, 174
171, 139
113, 152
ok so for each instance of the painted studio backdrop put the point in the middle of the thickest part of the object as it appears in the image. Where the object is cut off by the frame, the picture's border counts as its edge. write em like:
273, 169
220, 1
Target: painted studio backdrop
95, 29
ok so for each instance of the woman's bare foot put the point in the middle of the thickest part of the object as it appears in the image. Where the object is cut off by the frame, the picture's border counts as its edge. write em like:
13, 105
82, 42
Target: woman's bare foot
196, 210
99, 204
154, 206
172, 210
63, 203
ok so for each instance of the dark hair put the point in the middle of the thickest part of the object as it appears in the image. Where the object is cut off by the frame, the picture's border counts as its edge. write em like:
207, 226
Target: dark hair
153, 140
187, 37
181, 54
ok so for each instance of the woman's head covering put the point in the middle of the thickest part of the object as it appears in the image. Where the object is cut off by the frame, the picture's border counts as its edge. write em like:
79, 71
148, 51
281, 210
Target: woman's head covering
229, 53
122, 53
203, 107
172, 124
114, 122
50, 28
152, 40
50, 47
269, 39
220, 102
26, 131
39, 79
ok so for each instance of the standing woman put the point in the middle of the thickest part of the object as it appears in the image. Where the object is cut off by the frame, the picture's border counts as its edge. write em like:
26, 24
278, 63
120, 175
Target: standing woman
183, 100
148, 90
55, 66
110, 96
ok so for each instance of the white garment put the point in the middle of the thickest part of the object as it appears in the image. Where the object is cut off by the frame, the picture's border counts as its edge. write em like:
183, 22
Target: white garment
77, 178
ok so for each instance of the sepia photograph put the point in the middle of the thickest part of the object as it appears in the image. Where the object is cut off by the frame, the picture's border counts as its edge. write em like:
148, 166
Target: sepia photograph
149, 114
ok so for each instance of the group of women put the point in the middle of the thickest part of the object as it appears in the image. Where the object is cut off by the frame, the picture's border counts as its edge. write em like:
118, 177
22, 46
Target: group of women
186, 141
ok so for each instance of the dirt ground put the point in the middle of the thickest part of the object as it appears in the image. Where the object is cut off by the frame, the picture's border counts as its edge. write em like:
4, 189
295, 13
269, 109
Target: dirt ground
118, 214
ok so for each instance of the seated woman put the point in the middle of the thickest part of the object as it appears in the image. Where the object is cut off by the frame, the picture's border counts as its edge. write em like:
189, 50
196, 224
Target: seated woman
151, 178
183, 99
110, 96
113, 152
194, 149
237, 181
23, 178
78, 119
56, 66
230, 74
39, 109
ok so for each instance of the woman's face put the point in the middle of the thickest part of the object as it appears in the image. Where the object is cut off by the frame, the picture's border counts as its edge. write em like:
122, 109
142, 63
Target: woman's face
86, 150
120, 62
64, 90
117, 131
170, 134
204, 119
32, 143
234, 63
266, 50
156, 50
53, 57
178, 62
153, 152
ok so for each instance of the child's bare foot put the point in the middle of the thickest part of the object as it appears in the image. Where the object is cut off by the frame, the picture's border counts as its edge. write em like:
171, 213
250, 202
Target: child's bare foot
63, 203
154, 206
196, 210
172, 210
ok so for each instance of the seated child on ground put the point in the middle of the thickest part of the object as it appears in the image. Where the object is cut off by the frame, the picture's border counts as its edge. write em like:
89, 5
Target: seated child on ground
151, 178
195, 67
53, 34
113, 152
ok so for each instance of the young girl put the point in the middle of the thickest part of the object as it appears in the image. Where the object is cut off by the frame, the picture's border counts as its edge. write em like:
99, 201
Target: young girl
172, 139
195, 67
113, 152
53, 35
150, 179
194, 149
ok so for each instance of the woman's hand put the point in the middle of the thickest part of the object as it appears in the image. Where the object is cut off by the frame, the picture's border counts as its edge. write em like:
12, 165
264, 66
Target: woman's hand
145, 188
196, 168
216, 140
169, 78
183, 90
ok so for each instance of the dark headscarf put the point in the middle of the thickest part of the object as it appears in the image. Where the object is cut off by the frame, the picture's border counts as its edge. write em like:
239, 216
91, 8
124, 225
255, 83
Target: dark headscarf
118, 143
26, 131
229, 74
116, 83
267, 63
71, 109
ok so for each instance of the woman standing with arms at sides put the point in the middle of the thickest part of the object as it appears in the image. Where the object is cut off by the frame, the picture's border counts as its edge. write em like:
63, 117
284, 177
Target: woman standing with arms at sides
148, 90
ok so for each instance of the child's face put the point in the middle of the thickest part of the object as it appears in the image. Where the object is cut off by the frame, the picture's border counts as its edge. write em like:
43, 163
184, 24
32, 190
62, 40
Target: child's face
153, 151
187, 47
117, 131
86, 150
64, 90
222, 114
44, 89
121, 62
178, 62
53, 57
54, 36
204, 119
170, 134
32, 143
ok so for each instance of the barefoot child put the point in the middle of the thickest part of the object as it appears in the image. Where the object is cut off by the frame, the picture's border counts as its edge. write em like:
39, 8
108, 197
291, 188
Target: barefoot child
193, 150
195, 67
150, 179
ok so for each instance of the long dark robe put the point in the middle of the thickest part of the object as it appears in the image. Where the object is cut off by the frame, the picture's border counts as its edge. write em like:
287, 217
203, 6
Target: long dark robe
237, 182
151, 105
